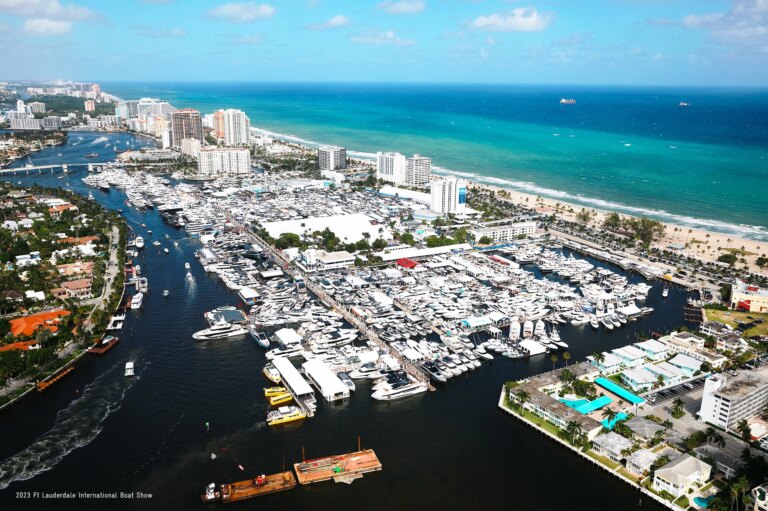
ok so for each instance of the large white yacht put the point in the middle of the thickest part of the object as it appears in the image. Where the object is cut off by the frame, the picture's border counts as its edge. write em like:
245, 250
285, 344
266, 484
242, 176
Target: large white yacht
219, 330
139, 242
137, 300
390, 393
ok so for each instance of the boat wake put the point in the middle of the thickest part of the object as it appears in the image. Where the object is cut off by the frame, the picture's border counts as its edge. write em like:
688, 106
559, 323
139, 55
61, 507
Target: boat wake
100, 140
76, 426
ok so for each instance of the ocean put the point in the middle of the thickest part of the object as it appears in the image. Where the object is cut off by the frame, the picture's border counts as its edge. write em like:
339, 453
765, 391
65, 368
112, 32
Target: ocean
631, 150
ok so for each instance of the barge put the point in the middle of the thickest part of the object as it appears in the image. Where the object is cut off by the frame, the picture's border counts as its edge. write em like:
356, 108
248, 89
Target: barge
341, 468
250, 488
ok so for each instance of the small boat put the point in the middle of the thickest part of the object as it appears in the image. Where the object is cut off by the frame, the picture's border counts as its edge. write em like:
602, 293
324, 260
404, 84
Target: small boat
665, 292
129, 369
280, 399
166, 292
274, 391
187, 266
137, 301
260, 338
272, 374
166, 250
156, 243
149, 231
91, 155
285, 414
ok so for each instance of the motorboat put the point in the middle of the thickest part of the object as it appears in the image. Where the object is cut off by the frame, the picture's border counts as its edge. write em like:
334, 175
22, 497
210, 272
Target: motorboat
166, 250
260, 338
219, 330
344, 377
129, 369
433, 371
285, 414
137, 301
390, 393
187, 266
139, 242
368, 370
272, 374
166, 292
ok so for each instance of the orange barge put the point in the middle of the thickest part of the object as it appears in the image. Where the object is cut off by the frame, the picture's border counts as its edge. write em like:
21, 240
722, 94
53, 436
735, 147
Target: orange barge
104, 346
42, 385
343, 468
242, 490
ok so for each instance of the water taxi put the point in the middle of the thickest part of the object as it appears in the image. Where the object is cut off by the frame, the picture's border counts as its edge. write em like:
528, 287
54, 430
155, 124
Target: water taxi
285, 414
280, 399
272, 374
274, 391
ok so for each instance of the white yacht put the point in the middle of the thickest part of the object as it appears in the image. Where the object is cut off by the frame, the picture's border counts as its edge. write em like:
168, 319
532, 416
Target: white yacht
344, 377
129, 369
187, 266
137, 301
139, 242
219, 330
166, 292
389, 393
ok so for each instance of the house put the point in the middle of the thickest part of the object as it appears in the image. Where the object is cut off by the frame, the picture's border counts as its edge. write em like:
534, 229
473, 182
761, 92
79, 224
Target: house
26, 223
630, 356
80, 288
78, 241
11, 225
28, 325
653, 349
56, 211
687, 365
638, 379
609, 365
611, 446
643, 428
723, 462
31, 259
640, 461
693, 346
35, 295
669, 373
76, 268
714, 328
12, 296
677, 476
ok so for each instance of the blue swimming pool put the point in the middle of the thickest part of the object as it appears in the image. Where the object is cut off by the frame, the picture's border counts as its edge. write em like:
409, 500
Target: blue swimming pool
574, 403
703, 502
619, 417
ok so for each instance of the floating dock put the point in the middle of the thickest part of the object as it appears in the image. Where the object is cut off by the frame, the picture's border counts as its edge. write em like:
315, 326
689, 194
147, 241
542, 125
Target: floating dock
262, 485
42, 385
101, 348
342, 468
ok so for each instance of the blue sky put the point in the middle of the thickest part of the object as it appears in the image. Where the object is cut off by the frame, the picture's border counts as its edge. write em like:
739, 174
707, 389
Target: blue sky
673, 42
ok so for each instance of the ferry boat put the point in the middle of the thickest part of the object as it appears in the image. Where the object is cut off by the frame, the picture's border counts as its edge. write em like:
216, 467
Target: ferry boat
567, 101
272, 374
129, 369
285, 414
274, 391
280, 399
137, 301
139, 242
219, 330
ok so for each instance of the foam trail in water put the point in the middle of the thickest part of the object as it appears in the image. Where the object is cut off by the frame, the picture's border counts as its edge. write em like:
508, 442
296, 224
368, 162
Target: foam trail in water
76, 426
100, 140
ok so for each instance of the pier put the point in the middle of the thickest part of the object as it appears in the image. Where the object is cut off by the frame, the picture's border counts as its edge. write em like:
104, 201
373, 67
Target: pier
42, 385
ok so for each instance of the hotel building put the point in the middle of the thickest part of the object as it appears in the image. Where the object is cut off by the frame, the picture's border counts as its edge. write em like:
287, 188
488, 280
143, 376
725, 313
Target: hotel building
331, 158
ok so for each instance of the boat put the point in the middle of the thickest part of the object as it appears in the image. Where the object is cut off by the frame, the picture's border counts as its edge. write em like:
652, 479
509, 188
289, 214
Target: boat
156, 243
390, 393
274, 391
219, 330
285, 414
344, 377
166, 250
149, 231
91, 155
139, 242
594, 322
272, 374
137, 301
250, 488
683, 103
433, 371
187, 266
368, 370
567, 101
260, 338
280, 399
665, 292
129, 369
166, 292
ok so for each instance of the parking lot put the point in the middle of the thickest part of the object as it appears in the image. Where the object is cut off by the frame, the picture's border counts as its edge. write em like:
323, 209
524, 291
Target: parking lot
661, 396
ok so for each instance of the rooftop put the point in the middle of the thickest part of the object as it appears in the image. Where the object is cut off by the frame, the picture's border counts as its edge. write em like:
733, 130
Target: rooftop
744, 383
679, 470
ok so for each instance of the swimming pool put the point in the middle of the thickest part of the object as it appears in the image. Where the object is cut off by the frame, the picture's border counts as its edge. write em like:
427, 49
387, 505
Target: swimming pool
619, 417
586, 406
703, 502
574, 403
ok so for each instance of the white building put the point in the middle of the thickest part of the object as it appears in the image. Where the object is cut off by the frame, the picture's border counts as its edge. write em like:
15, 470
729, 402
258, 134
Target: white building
391, 167
329, 385
505, 232
21, 107
418, 170
331, 158
190, 147
25, 124
232, 126
729, 399
320, 260
36, 107
151, 107
677, 476
449, 195
223, 161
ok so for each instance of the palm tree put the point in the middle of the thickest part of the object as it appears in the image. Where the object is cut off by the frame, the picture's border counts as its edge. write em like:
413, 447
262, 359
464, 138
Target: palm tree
566, 376
566, 357
744, 430
553, 358
677, 406
522, 396
609, 414
598, 357
573, 431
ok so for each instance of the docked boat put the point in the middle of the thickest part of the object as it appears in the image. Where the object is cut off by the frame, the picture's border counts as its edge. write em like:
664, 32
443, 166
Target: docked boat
368, 370
391, 393
129, 369
285, 414
272, 374
139, 242
344, 377
274, 391
219, 330
433, 371
280, 399
260, 338
137, 301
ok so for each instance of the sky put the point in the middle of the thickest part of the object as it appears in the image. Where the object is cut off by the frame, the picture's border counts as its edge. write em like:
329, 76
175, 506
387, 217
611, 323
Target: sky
630, 42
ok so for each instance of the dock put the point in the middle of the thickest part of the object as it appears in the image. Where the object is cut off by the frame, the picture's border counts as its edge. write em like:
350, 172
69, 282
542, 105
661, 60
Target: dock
101, 348
262, 485
342, 468
42, 385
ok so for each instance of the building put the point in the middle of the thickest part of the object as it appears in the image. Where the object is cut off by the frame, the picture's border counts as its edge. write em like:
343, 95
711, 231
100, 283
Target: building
391, 167
89, 105
640, 461
21, 107
186, 123
643, 428
190, 147
331, 158
127, 109
653, 349
728, 465
505, 232
329, 385
28, 325
232, 126
37, 107
228, 161
677, 476
693, 346
25, 124
639, 379
612, 446
449, 195
51, 122
418, 170
320, 260
80, 288
151, 107
729, 399
748, 297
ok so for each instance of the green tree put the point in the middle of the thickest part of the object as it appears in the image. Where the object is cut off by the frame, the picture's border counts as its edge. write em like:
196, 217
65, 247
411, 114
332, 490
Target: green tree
553, 358
407, 238
522, 397
677, 408
566, 357
612, 221
744, 430
485, 240
379, 244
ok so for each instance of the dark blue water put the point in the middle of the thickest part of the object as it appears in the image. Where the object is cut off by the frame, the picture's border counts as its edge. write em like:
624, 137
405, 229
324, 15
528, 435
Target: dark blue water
451, 449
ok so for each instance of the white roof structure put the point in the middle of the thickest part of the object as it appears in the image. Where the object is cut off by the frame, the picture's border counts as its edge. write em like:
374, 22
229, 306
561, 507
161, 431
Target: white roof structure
246, 293
423, 252
287, 337
381, 298
686, 362
641, 376
533, 347
292, 379
652, 346
350, 227
329, 385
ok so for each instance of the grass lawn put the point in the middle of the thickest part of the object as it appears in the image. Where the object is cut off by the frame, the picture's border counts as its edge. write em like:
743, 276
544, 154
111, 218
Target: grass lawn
728, 317
604, 461
738, 252
682, 502
630, 475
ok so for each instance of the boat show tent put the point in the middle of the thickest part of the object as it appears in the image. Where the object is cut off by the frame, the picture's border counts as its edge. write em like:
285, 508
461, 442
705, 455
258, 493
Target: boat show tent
407, 263
287, 337
329, 385
292, 379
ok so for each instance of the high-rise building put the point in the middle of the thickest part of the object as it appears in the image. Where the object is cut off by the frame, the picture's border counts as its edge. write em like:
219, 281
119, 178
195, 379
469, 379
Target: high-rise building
36, 107
449, 195
150, 107
186, 123
331, 158
391, 167
51, 122
20, 106
232, 126
90, 105
122, 111
25, 124
190, 147
730, 399
218, 161
418, 170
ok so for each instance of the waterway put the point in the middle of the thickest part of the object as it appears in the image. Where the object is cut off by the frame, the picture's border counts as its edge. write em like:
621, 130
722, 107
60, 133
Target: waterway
97, 431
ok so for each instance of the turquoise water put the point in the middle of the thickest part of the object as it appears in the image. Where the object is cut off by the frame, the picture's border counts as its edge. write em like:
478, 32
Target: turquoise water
619, 391
618, 418
574, 403
632, 150
703, 502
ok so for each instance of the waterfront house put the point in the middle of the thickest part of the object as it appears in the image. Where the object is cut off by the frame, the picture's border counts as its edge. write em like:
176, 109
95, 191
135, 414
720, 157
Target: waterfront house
669, 373
611, 446
630, 356
12, 296
76, 268
35, 295
643, 428
677, 476
687, 365
611, 364
80, 288
638, 379
28, 325
640, 462
653, 349
31, 259
728, 465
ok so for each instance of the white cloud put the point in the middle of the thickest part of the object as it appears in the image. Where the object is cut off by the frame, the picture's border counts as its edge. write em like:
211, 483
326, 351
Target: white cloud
148, 31
744, 25
248, 39
241, 12
47, 9
45, 27
337, 21
403, 7
517, 20
388, 37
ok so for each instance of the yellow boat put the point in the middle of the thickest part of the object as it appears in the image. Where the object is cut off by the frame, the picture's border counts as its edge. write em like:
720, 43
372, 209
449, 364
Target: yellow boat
272, 374
280, 399
285, 414
274, 391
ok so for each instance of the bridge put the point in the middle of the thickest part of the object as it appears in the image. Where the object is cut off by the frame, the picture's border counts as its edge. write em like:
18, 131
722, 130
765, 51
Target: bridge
64, 167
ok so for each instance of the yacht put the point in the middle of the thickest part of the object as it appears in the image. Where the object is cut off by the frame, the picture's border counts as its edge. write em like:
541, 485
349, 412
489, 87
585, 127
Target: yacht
594, 322
289, 352
285, 414
166, 292
219, 330
272, 374
260, 338
187, 266
433, 371
390, 393
369, 370
139, 242
129, 369
137, 301
344, 377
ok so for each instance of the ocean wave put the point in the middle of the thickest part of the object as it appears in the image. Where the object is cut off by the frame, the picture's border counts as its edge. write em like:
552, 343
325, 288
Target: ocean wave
76, 426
